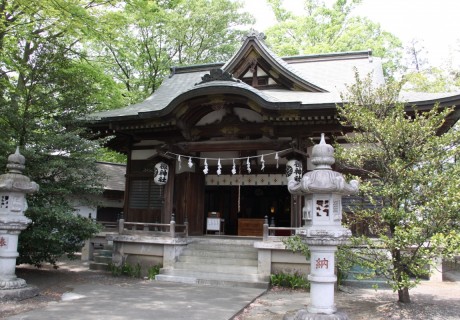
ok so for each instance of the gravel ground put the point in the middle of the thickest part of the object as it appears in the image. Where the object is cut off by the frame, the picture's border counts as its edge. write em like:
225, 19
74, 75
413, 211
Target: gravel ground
430, 300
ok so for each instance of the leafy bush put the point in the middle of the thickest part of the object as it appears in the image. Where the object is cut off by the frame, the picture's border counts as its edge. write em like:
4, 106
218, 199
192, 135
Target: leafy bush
295, 244
287, 280
54, 232
153, 271
126, 269
344, 255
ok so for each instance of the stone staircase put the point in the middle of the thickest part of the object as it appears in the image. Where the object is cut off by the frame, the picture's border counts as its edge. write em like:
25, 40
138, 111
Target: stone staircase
217, 261
102, 257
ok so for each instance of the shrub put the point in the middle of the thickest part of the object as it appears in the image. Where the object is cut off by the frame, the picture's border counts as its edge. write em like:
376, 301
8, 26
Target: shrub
153, 271
126, 269
287, 280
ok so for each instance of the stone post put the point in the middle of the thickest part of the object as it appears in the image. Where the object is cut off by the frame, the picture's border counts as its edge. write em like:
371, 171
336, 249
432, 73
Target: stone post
13, 189
322, 190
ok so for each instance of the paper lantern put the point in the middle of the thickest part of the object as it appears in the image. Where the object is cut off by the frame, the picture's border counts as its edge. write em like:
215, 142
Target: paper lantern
161, 173
294, 170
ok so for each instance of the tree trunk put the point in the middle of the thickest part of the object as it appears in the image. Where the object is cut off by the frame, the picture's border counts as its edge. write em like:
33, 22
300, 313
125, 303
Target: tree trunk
403, 295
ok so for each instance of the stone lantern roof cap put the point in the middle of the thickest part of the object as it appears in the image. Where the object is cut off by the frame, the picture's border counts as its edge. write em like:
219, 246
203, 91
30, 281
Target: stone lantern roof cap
16, 162
323, 179
14, 180
323, 155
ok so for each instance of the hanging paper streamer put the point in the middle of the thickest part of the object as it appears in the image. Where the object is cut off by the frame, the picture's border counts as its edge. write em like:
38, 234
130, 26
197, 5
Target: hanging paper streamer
248, 165
205, 170
234, 167
219, 167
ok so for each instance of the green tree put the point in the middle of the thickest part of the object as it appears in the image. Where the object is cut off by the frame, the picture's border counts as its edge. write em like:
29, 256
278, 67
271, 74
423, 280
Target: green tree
323, 29
424, 78
46, 85
139, 42
432, 79
407, 161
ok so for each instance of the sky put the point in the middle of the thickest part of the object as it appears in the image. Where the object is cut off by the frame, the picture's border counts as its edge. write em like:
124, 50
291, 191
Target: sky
435, 23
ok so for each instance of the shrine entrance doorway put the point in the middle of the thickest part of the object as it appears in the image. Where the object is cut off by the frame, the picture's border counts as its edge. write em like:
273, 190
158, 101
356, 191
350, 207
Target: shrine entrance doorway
238, 206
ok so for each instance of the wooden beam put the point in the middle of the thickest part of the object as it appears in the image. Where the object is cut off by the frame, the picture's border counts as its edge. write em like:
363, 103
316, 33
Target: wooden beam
234, 146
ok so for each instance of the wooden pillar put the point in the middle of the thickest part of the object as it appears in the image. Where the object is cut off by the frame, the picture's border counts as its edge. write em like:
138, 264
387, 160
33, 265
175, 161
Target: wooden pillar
168, 194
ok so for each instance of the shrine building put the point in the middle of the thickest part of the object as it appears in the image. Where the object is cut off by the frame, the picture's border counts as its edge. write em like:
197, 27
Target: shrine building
214, 140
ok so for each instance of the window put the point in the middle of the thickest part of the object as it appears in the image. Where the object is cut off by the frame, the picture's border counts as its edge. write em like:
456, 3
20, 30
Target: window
145, 194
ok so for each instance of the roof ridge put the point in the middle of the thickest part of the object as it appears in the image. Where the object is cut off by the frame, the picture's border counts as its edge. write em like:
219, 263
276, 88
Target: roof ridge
195, 67
331, 56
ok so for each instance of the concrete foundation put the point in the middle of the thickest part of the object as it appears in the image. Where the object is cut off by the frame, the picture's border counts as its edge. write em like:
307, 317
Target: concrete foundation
305, 315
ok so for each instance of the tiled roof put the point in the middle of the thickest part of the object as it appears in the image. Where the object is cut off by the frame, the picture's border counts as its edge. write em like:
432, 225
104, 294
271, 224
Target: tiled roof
335, 75
329, 72
425, 97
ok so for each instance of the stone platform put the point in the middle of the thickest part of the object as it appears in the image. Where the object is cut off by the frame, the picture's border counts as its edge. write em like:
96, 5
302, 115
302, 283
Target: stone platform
19, 294
305, 315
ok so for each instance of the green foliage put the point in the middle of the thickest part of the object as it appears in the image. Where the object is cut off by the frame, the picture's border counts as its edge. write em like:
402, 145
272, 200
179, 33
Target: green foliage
344, 261
343, 255
432, 80
107, 155
47, 83
153, 271
287, 280
54, 232
295, 244
126, 269
325, 29
406, 160
139, 42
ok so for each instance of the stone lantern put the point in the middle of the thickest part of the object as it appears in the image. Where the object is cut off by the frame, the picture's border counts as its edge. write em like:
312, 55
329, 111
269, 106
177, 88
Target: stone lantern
322, 189
13, 189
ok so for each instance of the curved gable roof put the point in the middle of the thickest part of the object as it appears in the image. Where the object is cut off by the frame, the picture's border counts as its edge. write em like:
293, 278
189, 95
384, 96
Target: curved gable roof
317, 81
253, 44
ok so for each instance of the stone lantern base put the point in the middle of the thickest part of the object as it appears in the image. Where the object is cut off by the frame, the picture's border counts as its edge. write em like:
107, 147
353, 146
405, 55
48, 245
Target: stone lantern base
19, 294
305, 315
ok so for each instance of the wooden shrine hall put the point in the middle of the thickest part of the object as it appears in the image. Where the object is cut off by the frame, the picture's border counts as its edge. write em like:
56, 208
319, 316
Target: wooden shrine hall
214, 139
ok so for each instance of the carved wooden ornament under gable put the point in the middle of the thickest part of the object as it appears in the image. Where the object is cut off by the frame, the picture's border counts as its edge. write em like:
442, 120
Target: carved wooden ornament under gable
217, 75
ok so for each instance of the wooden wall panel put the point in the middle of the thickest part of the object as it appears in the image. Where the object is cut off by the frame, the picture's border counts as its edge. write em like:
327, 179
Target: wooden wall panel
189, 201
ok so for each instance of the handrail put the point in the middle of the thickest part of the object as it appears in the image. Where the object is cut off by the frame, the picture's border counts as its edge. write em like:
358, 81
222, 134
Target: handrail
269, 232
153, 228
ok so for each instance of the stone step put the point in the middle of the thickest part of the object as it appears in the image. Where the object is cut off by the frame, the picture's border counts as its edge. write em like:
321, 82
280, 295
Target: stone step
102, 259
222, 240
102, 252
98, 266
216, 268
218, 253
221, 247
206, 278
217, 260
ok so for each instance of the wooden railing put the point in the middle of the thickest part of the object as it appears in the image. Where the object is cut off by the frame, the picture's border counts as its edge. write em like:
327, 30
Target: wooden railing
170, 229
109, 226
270, 231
